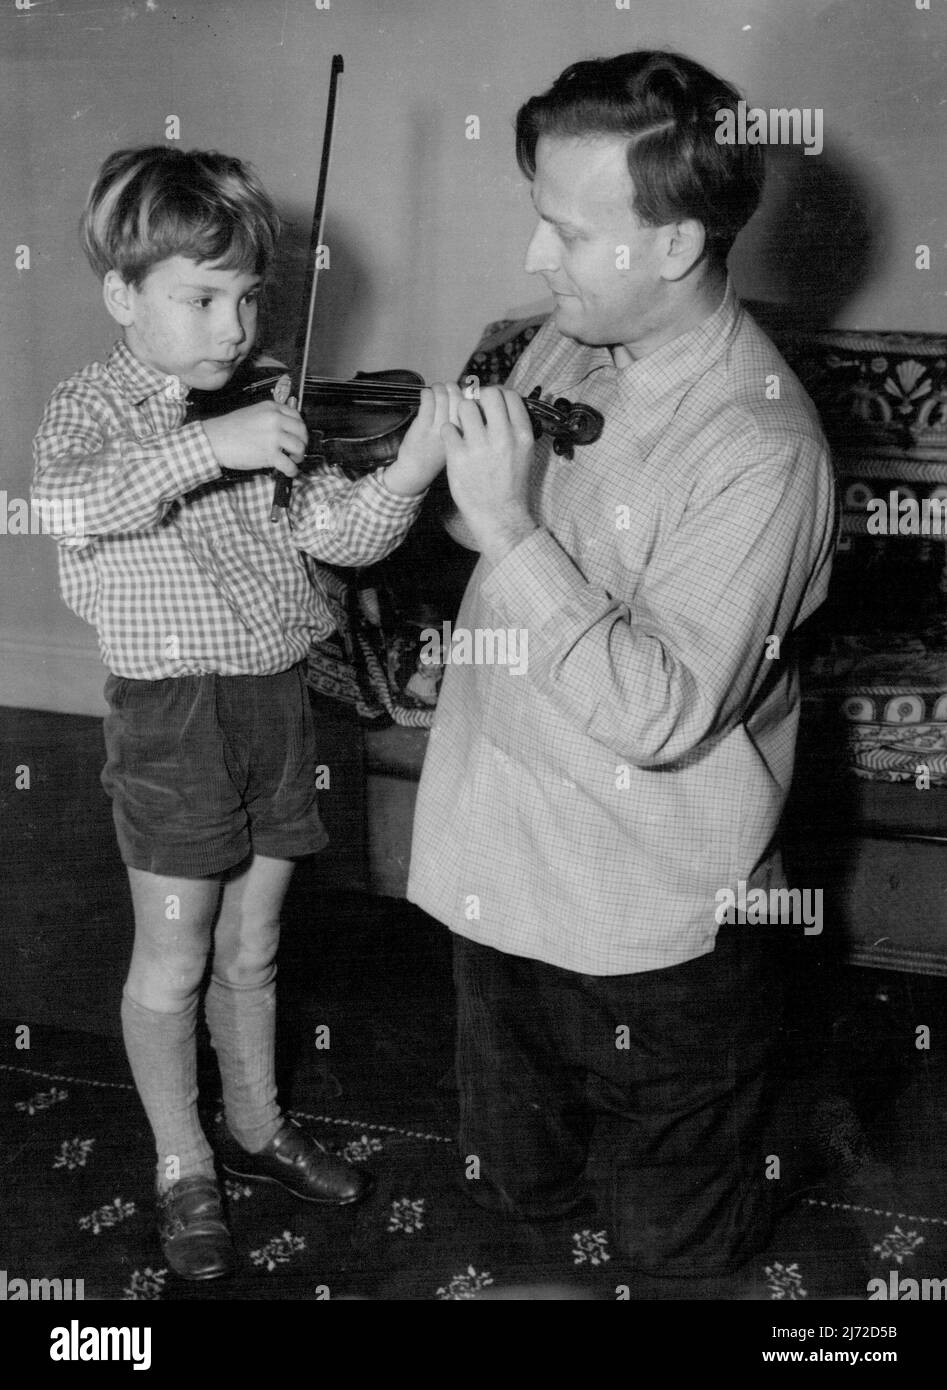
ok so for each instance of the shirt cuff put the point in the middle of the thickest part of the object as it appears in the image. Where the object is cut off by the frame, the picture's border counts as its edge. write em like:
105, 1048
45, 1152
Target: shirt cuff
191, 459
534, 583
386, 502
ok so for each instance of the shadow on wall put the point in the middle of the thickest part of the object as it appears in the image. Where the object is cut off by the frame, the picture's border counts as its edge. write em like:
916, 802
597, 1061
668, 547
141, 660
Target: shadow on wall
343, 298
818, 238
815, 242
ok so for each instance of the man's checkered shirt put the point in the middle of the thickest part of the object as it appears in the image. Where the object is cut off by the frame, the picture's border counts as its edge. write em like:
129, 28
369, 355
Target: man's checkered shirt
181, 571
587, 812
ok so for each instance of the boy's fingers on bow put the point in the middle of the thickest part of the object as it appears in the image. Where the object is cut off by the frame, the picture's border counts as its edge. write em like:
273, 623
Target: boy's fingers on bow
291, 427
292, 440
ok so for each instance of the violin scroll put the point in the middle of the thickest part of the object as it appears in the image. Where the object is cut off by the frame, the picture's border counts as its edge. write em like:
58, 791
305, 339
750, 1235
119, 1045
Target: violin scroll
583, 422
566, 422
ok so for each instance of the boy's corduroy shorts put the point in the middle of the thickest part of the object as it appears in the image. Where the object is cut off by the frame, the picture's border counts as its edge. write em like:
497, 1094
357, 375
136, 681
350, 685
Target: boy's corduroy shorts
202, 770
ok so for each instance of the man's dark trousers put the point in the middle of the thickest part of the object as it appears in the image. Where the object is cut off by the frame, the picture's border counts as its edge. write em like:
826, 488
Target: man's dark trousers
651, 1090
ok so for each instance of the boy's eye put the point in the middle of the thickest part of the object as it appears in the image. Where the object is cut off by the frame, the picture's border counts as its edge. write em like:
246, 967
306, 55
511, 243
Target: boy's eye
251, 297
203, 301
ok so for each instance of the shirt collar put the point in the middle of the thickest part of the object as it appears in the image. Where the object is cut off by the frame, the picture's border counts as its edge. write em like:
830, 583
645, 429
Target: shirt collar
687, 355
140, 382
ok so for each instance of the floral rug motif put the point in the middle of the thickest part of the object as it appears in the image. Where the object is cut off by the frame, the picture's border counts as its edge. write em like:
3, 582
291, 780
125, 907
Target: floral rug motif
77, 1160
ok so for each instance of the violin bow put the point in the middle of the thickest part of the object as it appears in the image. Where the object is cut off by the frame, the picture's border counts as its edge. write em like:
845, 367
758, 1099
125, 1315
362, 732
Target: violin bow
283, 486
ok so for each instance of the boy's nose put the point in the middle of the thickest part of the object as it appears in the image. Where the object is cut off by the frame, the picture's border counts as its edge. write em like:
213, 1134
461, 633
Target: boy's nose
233, 329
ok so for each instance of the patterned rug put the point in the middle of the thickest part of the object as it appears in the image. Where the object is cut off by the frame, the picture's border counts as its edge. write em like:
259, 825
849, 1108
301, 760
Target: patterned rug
76, 1158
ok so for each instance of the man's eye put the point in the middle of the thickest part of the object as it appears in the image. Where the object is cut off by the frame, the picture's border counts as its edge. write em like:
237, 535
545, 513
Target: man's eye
203, 302
253, 297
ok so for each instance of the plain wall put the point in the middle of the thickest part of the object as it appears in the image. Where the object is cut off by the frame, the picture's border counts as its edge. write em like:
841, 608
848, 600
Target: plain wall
426, 227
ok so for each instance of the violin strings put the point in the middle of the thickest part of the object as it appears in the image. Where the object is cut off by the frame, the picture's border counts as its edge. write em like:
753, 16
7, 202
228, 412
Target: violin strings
393, 392
396, 393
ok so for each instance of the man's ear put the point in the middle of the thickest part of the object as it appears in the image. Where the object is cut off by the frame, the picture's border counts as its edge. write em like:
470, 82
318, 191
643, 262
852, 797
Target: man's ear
685, 246
118, 298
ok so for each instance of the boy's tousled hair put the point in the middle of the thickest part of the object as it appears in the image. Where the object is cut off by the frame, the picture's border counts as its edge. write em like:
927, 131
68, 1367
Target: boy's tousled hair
666, 107
153, 202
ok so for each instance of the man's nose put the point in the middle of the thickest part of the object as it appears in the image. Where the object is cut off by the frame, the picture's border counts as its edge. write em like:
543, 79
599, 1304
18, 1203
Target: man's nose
541, 253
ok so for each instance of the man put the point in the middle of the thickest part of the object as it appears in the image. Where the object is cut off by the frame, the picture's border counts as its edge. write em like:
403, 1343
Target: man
577, 823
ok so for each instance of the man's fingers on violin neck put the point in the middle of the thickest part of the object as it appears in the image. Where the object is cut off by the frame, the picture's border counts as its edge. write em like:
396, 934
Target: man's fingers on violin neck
518, 414
494, 404
451, 438
470, 417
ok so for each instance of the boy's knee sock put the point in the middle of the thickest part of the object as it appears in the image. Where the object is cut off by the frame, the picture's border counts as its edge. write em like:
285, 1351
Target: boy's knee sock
242, 1023
162, 1054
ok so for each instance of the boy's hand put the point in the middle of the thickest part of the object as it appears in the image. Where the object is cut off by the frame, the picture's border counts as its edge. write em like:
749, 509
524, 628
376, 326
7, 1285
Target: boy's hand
422, 454
266, 435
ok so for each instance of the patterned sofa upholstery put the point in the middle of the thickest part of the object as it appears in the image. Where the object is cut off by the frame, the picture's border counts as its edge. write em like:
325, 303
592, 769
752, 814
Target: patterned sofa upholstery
881, 664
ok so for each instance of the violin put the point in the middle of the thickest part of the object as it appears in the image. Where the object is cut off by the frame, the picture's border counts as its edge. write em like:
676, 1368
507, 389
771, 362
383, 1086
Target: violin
358, 425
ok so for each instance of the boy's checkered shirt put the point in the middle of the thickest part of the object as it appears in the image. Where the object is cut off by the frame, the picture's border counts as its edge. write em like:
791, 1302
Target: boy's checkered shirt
180, 572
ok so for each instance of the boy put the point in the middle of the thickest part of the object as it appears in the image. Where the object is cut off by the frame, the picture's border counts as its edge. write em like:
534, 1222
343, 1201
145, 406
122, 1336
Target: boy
204, 610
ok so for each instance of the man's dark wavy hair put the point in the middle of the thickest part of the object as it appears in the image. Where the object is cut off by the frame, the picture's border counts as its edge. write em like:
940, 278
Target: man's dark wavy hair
666, 107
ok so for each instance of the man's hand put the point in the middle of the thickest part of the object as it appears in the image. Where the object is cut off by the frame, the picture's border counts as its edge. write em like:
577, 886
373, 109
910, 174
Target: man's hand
266, 435
422, 455
489, 452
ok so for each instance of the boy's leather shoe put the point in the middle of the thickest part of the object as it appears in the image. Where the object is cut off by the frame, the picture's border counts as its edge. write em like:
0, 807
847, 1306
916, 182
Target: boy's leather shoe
297, 1162
192, 1229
